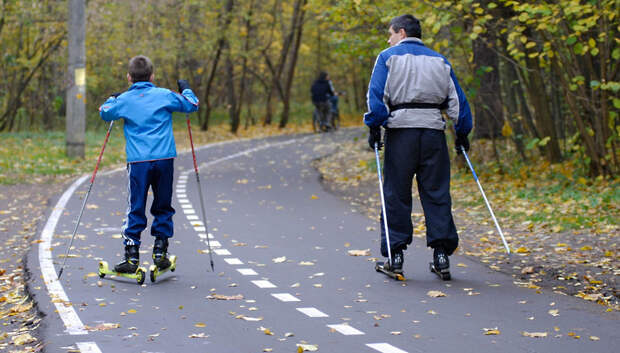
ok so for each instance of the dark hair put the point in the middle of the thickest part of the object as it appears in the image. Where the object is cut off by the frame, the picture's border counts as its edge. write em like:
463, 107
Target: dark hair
409, 23
322, 76
140, 68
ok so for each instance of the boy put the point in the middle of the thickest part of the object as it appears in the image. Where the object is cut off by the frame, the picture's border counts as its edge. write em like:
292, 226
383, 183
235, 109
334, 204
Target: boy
149, 144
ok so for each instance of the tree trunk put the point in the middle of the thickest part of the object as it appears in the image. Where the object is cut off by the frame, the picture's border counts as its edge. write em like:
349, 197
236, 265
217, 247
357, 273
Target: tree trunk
297, 29
488, 102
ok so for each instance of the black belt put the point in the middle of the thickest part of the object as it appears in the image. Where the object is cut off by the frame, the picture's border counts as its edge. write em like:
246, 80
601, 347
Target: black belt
443, 105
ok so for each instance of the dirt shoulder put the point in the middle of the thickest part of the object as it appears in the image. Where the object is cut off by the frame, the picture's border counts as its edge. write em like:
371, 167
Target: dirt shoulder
22, 212
581, 263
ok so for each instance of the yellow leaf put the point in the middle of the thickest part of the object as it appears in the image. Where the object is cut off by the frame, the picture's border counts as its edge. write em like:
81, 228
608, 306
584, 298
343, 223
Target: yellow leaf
435, 294
522, 250
132, 311
365, 252
491, 331
586, 248
506, 130
314, 197
554, 312
534, 334
22, 339
200, 324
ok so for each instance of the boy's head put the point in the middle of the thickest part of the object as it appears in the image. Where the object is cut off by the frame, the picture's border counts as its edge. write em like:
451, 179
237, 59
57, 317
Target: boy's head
140, 69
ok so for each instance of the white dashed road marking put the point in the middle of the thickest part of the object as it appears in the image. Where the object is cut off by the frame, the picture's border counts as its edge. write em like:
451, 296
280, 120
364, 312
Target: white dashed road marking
264, 284
346, 329
285, 297
312, 312
247, 271
233, 261
385, 348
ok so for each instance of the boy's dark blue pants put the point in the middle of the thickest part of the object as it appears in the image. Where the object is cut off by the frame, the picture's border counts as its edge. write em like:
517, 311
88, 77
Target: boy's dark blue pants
422, 153
158, 176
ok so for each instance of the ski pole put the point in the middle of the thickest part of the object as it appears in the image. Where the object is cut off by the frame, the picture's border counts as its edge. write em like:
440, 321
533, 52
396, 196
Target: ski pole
385, 225
202, 203
499, 229
92, 181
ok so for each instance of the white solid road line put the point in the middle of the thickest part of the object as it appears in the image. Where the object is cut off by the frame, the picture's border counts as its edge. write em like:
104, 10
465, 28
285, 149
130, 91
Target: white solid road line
312, 312
385, 348
346, 329
57, 293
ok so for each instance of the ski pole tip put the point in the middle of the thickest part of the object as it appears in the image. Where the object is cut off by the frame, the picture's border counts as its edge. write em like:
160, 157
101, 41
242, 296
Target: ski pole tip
60, 273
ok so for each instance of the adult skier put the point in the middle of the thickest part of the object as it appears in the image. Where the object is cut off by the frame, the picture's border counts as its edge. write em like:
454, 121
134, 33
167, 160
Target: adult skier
411, 85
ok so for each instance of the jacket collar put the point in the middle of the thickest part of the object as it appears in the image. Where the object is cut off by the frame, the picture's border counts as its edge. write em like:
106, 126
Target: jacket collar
141, 84
411, 40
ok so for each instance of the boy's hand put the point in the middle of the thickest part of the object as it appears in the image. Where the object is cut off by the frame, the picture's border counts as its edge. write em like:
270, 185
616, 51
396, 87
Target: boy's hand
183, 85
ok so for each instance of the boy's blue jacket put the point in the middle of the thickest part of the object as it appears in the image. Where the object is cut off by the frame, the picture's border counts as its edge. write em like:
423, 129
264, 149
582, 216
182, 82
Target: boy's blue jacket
147, 111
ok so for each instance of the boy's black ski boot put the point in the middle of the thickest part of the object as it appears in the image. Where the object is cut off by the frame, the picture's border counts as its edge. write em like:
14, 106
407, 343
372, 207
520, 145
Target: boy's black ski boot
131, 262
393, 269
441, 264
160, 254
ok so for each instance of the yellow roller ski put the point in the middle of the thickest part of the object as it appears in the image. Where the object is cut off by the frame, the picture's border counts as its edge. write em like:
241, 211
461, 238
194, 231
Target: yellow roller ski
156, 272
139, 275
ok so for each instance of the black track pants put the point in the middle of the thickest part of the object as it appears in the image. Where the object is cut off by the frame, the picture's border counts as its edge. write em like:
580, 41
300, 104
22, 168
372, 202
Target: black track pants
422, 153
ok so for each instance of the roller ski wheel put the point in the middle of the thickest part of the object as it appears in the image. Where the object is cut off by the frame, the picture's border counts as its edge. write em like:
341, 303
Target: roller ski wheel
380, 267
443, 274
156, 271
139, 275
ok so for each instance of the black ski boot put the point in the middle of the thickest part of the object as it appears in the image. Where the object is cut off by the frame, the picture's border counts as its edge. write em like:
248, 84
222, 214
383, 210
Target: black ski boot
393, 269
131, 262
397, 262
160, 254
441, 264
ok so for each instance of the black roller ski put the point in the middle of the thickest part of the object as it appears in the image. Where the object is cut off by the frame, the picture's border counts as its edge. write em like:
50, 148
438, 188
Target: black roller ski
443, 274
381, 267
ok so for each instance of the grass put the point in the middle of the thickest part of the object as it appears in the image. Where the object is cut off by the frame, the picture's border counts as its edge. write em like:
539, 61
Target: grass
39, 157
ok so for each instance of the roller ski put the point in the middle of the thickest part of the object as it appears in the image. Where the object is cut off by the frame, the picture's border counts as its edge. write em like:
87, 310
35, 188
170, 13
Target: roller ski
128, 268
161, 262
393, 269
440, 265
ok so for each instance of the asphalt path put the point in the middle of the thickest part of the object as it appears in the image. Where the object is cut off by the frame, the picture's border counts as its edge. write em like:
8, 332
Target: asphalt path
281, 247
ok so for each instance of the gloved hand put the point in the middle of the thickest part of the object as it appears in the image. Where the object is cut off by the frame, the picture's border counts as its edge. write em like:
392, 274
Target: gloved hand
461, 140
115, 94
375, 136
183, 85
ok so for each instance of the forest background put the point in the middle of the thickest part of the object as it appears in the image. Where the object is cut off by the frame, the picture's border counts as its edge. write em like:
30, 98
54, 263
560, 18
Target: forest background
542, 76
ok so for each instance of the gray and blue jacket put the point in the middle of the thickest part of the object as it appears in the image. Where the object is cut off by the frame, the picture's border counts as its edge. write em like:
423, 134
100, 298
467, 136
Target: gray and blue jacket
411, 73
147, 111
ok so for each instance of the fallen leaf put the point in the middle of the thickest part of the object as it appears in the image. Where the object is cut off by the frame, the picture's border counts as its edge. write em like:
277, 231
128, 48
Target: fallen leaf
554, 312
22, 339
365, 252
527, 270
306, 263
198, 335
131, 311
594, 338
534, 334
314, 197
200, 324
102, 327
225, 297
307, 348
278, 260
460, 264
395, 333
435, 294
491, 331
